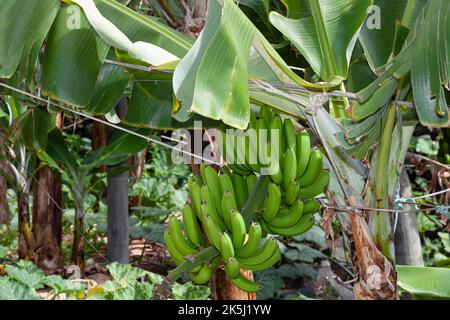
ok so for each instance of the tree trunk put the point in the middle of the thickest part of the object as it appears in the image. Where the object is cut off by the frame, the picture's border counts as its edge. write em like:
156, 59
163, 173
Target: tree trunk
78, 239
47, 220
47, 216
118, 211
408, 250
4, 206
25, 249
222, 289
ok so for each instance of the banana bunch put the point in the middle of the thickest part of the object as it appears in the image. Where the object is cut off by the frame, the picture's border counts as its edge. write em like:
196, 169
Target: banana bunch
213, 218
299, 172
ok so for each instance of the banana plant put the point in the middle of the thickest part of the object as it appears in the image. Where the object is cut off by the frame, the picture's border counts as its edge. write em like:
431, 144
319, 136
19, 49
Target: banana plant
78, 176
25, 127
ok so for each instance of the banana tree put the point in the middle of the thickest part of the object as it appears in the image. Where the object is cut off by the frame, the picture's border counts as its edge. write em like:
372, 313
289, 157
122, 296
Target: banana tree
79, 176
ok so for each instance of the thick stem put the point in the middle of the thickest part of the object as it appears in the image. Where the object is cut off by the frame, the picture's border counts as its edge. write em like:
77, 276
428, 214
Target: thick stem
78, 239
47, 220
381, 222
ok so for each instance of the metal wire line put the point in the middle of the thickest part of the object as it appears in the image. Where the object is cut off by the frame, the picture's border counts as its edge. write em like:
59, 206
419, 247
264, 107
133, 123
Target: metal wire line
288, 87
148, 139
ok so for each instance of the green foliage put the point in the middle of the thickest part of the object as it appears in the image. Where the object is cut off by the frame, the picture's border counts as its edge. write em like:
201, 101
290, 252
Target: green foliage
129, 283
162, 185
189, 291
23, 279
3, 252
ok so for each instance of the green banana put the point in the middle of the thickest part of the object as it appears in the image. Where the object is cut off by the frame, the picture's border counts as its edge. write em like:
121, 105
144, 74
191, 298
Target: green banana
265, 228
178, 238
238, 231
244, 284
272, 203
232, 268
303, 224
311, 206
252, 123
228, 204
253, 240
317, 188
208, 205
266, 114
277, 177
273, 258
260, 128
314, 169
213, 232
192, 228
226, 183
251, 149
198, 180
240, 189
212, 181
226, 247
194, 190
288, 217
303, 152
242, 147
289, 134
251, 183
177, 257
277, 124
289, 166
239, 170
203, 166
291, 194
203, 276
264, 253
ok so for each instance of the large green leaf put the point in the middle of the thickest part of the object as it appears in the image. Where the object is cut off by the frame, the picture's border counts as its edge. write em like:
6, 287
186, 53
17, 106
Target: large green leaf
326, 38
11, 290
24, 25
212, 79
110, 86
425, 282
379, 33
58, 151
112, 35
34, 127
73, 59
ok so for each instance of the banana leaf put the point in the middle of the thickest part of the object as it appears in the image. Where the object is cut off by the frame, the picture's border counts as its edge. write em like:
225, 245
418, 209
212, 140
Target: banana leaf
326, 37
24, 27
